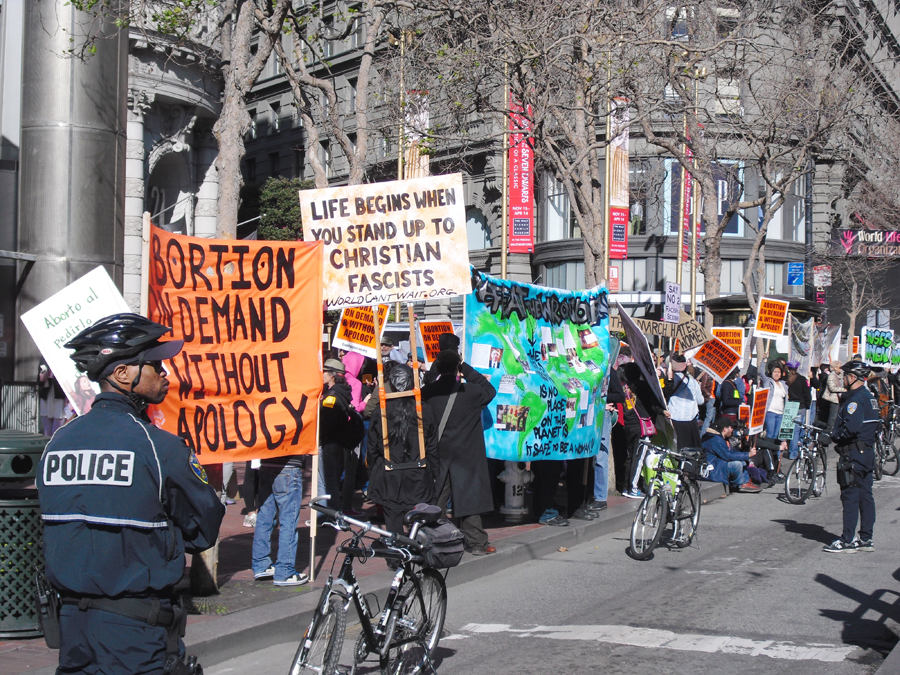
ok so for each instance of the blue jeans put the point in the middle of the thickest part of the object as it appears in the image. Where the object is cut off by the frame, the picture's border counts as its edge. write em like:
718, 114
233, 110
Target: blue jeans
737, 474
601, 462
281, 491
773, 425
793, 450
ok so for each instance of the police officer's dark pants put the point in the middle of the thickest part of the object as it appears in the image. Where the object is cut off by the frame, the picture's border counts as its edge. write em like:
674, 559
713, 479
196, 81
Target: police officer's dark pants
101, 643
859, 504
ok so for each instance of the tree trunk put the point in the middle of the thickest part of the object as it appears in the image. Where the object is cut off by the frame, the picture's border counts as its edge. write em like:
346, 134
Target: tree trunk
229, 130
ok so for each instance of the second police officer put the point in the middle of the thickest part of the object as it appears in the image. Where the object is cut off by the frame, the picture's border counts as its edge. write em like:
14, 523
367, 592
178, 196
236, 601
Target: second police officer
122, 501
854, 436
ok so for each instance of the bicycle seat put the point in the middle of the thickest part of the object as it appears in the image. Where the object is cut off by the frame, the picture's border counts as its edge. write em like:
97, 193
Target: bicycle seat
692, 453
424, 513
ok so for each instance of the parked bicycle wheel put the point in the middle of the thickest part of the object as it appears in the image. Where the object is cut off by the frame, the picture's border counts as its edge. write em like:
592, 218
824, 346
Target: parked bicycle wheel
688, 518
818, 486
320, 648
798, 482
647, 528
891, 460
418, 625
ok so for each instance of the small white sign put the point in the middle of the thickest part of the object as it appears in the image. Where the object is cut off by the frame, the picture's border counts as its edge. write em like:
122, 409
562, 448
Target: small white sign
673, 303
61, 317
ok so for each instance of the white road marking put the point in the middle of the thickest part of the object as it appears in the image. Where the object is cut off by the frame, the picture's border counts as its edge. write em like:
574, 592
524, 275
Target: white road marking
664, 639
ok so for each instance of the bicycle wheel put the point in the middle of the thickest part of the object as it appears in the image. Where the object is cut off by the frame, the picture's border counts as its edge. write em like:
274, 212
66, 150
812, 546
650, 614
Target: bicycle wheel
419, 623
879, 459
688, 518
647, 528
320, 648
891, 460
799, 480
818, 486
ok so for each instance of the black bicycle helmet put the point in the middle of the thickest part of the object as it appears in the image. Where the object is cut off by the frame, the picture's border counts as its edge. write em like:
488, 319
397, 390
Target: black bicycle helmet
120, 339
858, 368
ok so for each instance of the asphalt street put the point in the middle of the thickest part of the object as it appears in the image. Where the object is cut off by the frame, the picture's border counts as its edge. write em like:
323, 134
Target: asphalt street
755, 593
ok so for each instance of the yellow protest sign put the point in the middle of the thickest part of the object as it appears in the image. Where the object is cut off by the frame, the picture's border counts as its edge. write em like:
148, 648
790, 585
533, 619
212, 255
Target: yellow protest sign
770, 318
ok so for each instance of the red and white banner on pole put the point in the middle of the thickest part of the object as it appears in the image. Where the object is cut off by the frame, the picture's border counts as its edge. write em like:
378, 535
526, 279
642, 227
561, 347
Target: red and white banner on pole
618, 180
686, 219
521, 183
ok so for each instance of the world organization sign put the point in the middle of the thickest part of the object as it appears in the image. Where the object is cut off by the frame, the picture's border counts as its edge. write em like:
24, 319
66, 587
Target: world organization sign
866, 243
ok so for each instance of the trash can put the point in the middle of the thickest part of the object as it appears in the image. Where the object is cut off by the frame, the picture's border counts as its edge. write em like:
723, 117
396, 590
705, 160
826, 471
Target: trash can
20, 532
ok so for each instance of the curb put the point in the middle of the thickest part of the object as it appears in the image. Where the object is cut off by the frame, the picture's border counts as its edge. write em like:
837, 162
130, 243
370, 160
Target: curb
217, 641
891, 665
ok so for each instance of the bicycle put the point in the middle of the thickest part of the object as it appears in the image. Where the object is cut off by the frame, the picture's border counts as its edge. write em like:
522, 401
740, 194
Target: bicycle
673, 496
887, 461
408, 630
806, 475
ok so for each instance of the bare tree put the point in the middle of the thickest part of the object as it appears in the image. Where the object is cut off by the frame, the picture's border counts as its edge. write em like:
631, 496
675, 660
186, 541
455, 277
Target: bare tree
859, 286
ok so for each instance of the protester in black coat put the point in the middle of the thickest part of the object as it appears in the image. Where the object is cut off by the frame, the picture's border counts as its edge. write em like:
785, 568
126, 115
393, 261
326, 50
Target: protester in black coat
334, 413
464, 468
405, 485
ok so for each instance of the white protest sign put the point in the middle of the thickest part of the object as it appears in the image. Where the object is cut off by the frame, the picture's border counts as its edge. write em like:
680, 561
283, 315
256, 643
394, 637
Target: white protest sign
400, 241
61, 317
672, 312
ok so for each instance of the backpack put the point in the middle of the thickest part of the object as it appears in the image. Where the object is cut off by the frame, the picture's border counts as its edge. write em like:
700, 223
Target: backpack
353, 432
442, 544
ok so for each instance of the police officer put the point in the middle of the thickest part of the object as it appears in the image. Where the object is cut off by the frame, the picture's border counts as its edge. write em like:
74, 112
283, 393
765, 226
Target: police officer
122, 501
854, 436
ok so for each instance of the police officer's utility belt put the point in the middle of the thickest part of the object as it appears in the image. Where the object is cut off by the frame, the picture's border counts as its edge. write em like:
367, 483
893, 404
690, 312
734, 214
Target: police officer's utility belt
148, 610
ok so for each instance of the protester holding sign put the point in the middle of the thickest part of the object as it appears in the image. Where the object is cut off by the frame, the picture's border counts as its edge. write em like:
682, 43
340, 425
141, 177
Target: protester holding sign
798, 391
684, 399
778, 393
336, 435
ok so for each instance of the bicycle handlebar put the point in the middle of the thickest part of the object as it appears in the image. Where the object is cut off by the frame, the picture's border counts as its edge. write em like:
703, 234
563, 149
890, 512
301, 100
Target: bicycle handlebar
343, 522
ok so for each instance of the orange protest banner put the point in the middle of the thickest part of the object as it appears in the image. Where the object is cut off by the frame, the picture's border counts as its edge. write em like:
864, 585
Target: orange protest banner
744, 414
247, 383
758, 414
855, 345
733, 337
716, 358
356, 331
429, 332
770, 318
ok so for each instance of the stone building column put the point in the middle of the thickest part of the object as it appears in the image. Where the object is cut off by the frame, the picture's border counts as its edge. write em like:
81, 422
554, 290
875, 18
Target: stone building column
208, 183
139, 102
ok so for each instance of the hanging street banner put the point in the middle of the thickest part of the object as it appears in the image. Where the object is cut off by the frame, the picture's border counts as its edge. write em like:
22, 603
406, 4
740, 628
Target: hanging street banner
546, 352
356, 331
866, 243
855, 345
400, 241
64, 315
758, 413
521, 182
619, 199
770, 318
717, 359
877, 344
247, 383
803, 335
429, 332
687, 184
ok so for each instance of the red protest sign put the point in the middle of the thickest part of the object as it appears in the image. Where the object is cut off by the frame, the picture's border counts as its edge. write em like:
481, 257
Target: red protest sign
758, 414
716, 358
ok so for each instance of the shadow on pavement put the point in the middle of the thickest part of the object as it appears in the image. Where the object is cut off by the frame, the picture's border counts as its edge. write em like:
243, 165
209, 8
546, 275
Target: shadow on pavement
809, 531
865, 626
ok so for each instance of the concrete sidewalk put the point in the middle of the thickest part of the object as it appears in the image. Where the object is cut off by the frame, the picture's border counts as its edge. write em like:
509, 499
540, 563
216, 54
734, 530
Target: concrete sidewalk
250, 615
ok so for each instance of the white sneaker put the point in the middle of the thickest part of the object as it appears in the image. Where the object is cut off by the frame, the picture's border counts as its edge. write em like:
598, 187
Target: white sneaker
297, 579
250, 520
267, 574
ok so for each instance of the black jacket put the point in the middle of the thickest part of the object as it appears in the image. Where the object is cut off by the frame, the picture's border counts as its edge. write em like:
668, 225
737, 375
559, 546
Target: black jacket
798, 390
334, 410
461, 447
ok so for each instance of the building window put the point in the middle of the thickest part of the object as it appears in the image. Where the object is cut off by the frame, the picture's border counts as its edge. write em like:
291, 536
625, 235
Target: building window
566, 275
327, 31
357, 39
632, 274
638, 190
728, 177
251, 132
477, 230
556, 218
299, 163
250, 171
326, 158
274, 118
274, 164
351, 95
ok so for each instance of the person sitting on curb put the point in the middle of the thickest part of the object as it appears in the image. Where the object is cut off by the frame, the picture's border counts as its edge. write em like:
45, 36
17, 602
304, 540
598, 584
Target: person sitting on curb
727, 465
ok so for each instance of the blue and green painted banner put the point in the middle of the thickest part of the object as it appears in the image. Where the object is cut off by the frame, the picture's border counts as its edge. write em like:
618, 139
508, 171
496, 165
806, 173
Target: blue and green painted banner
546, 351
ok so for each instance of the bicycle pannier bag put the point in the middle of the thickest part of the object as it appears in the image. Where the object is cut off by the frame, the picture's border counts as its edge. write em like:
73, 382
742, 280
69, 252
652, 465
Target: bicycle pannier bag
442, 544
694, 462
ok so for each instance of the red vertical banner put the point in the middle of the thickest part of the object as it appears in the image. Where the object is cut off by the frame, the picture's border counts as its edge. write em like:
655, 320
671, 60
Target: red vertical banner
521, 182
618, 181
686, 220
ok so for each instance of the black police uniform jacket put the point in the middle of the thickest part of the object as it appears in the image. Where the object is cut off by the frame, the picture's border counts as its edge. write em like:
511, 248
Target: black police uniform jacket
856, 427
121, 502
